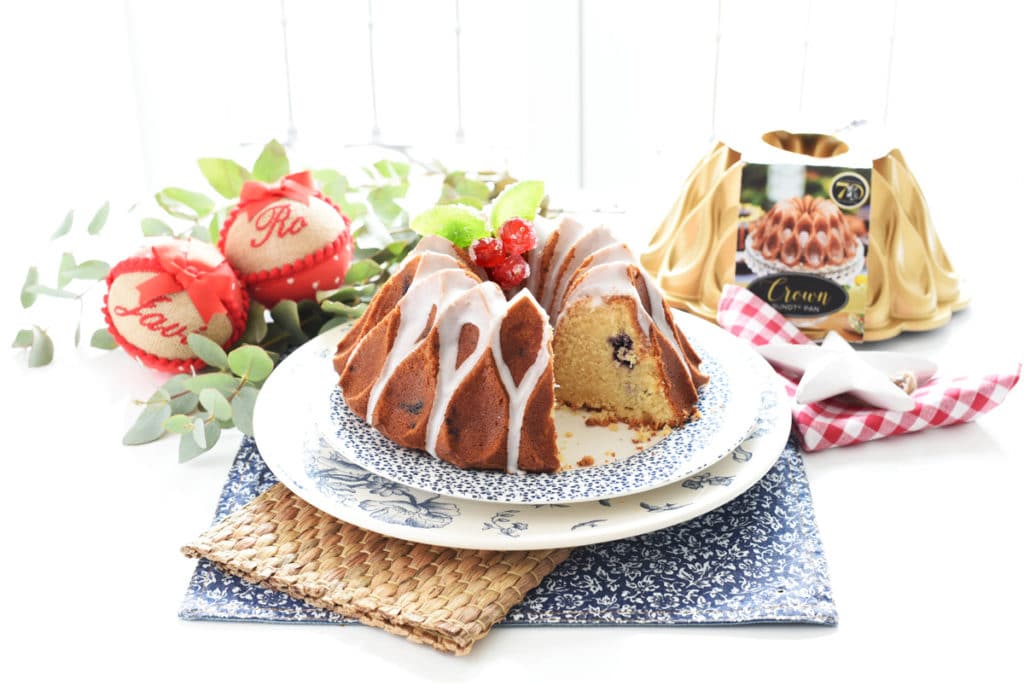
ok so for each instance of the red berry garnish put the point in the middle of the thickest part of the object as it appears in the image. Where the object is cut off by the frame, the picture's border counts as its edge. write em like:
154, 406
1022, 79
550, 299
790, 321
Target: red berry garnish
487, 252
511, 272
518, 236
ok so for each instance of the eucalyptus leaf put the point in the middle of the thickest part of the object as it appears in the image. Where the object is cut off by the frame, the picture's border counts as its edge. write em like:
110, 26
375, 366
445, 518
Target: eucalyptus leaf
51, 292
353, 210
214, 228
215, 403
469, 187
469, 201
99, 219
272, 163
224, 382
212, 430
362, 270
256, 326
453, 177
286, 314
391, 169
325, 176
346, 293
28, 297
351, 311
41, 352
242, 406
458, 223
149, 426
89, 270
189, 450
23, 338
153, 227
200, 232
207, 350
397, 247
332, 184
183, 400
67, 263
178, 423
382, 200
224, 175
65, 225
177, 202
199, 433
102, 339
250, 362
521, 199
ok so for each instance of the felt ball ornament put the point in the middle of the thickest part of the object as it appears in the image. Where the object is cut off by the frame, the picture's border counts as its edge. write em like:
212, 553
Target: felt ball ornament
168, 290
287, 240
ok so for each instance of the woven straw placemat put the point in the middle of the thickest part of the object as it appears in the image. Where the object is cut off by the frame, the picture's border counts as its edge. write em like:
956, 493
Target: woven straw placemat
446, 598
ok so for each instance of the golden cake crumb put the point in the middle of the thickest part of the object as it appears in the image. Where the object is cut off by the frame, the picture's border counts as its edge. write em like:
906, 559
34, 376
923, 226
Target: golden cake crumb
642, 434
568, 434
587, 460
600, 418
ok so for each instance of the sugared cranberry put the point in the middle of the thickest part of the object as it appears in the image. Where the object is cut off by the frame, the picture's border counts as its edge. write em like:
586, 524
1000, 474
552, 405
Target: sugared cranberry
518, 236
487, 252
511, 272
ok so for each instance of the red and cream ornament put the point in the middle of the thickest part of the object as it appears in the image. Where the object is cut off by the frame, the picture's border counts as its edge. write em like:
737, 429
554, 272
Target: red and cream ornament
160, 295
287, 240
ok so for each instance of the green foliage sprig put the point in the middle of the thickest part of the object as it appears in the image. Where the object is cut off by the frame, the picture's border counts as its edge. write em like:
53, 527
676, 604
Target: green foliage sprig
35, 339
199, 406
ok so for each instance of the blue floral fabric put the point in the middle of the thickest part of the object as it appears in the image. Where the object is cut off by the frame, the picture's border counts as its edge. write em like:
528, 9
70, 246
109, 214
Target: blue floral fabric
757, 559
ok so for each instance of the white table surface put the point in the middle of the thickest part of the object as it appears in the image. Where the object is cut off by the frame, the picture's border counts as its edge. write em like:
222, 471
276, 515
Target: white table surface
921, 532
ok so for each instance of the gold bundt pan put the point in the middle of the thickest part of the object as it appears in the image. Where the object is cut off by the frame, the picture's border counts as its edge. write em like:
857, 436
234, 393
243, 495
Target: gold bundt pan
911, 283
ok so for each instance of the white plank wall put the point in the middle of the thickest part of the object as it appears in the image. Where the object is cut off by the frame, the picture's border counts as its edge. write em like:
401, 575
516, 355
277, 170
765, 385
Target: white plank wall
124, 95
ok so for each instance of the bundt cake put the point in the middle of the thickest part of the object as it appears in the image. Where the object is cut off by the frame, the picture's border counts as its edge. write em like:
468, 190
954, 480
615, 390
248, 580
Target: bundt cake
443, 360
808, 233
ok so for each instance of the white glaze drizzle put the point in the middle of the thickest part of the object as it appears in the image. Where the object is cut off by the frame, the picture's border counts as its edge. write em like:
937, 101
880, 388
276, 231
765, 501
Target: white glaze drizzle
438, 289
544, 228
519, 395
568, 233
611, 253
480, 307
584, 246
432, 262
433, 244
661, 319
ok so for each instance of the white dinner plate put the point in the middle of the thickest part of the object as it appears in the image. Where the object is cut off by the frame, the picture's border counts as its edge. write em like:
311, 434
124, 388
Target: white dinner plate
302, 459
728, 404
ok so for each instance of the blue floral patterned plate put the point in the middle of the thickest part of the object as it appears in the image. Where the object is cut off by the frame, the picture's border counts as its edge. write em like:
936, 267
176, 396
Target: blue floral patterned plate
301, 458
728, 405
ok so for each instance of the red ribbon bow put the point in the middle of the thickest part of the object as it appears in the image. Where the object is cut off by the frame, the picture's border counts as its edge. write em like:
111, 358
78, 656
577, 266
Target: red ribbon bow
209, 286
255, 195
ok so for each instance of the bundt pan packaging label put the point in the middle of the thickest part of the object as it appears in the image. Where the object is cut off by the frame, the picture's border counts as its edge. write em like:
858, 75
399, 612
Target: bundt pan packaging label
835, 234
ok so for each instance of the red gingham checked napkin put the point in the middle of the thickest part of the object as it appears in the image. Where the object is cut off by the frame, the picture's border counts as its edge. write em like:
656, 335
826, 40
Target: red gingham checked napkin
942, 401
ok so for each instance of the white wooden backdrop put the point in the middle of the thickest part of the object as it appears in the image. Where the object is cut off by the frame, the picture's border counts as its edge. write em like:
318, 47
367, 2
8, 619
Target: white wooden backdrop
114, 98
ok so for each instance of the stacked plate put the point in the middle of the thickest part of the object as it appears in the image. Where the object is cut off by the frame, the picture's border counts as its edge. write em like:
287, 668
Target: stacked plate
336, 462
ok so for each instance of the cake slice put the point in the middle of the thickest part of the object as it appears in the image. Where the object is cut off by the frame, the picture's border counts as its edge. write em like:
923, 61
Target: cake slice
617, 350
